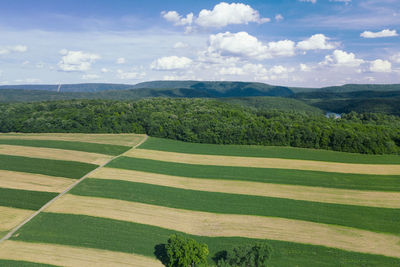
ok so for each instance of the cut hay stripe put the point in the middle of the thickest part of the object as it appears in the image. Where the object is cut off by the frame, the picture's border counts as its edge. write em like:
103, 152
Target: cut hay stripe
307, 193
33, 182
110, 139
11, 217
380, 169
54, 153
71, 256
228, 225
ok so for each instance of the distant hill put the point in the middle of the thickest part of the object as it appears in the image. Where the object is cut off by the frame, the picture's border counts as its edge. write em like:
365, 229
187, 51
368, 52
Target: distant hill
361, 87
81, 87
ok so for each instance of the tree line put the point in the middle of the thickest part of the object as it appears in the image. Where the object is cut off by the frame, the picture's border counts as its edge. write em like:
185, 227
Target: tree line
207, 121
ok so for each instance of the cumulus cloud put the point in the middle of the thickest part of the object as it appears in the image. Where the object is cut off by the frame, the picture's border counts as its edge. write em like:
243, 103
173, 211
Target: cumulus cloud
76, 60
242, 44
231, 71
171, 63
120, 60
317, 41
304, 67
130, 75
224, 14
342, 59
380, 65
178, 20
221, 15
383, 33
10, 49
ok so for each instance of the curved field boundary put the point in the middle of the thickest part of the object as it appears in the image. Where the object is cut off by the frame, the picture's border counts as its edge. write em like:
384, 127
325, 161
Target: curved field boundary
367, 218
307, 193
169, 145
54, 153
34, 182
229, 225
11, 217
71, 256
58, 168
380, 169
389, 183
128, 140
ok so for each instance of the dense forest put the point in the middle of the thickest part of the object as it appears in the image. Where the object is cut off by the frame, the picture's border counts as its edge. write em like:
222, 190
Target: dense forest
207, 121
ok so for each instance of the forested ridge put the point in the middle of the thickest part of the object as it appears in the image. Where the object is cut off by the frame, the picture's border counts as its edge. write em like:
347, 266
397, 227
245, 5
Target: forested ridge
207, 121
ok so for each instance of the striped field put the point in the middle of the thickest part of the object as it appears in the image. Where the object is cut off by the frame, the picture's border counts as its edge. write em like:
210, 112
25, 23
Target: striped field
315, 208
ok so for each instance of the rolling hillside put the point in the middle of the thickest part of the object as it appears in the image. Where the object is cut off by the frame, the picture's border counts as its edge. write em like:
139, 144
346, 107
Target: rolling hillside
315, 207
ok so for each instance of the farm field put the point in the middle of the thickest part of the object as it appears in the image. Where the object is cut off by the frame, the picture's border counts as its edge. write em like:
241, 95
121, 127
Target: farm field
342, 212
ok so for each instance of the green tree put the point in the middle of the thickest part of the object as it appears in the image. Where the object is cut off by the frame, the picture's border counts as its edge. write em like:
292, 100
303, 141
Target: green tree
256, 255
184, 252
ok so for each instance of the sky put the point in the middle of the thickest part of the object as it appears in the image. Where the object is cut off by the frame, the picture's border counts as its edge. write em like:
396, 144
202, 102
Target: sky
305, 43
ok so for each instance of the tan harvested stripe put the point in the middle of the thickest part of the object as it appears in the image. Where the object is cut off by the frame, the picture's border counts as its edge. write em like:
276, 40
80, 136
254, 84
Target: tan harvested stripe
275, 163
62, 255
110, 139
33, 182
297, 192
54, 153
229, 225
11, 217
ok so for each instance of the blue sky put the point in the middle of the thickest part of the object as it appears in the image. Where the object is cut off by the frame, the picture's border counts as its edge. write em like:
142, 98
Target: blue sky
290, 42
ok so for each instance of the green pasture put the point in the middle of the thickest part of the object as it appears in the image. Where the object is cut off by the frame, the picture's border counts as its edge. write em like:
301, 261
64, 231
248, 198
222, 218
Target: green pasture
267, 152
24, 199
113, 150
92, 232
367, 218
67, 169
11, 263
277, 176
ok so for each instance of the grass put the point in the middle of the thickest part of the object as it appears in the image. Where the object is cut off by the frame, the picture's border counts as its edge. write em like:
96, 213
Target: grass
113, 150
278, 176
11, 263
24, 199
86, 231
367, 218
67, 169
267, 151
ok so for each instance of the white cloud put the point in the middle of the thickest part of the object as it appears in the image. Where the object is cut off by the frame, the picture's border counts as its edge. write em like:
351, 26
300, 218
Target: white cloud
120, 60
312, 1
171, 63
242, 44
130, 75
317, 41
180, 45
278, 17
278, 70
90, 77
383, 33
304, 67
178, 20
224, 14
10, 49
231, 71
76, 60
395, 58
380, 65
343, 1
342, 59
104, 70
